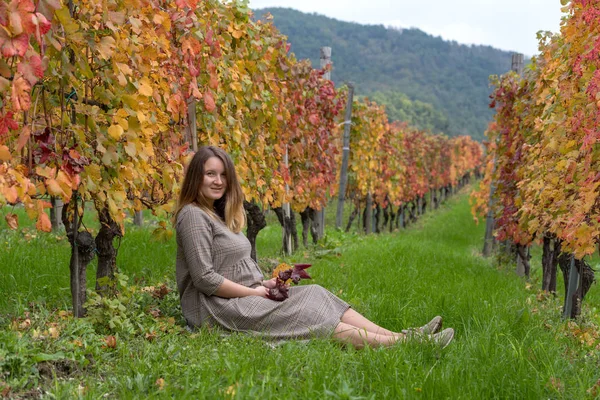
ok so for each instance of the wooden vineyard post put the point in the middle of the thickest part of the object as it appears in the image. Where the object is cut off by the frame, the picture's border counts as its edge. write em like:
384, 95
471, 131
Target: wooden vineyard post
345, 157
369, 214
75, 284
56, 212
138, 218
517, 66
320, 214
191, 115
517, 63
573, 282
489, 241
287, 229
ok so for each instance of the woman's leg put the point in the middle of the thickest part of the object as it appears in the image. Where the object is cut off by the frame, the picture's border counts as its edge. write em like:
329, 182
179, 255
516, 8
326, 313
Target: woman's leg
353, 318
359, 337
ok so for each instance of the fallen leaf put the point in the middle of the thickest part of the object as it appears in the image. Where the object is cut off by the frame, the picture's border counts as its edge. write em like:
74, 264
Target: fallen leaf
110, 342
4, 389
26, 324
594, 390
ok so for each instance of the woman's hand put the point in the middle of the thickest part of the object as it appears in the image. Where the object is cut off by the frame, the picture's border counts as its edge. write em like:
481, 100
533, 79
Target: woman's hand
270, 284
261, 291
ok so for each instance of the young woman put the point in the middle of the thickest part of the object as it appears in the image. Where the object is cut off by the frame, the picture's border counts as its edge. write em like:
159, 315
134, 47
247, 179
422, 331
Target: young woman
219, 284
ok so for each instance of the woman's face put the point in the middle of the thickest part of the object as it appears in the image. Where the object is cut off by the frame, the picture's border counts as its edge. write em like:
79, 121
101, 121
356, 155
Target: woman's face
214, 183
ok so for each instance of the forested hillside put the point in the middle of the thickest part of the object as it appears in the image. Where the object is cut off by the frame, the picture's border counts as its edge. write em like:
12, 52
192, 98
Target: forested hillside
451, 77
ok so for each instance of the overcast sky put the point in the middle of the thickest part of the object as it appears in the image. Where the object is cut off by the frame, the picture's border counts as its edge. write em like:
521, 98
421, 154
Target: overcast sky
505, 24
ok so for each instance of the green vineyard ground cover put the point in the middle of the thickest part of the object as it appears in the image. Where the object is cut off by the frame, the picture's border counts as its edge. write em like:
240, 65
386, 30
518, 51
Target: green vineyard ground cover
510, 340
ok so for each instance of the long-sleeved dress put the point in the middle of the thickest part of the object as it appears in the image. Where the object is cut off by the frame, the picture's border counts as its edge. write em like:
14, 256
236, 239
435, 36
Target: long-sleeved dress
208, 252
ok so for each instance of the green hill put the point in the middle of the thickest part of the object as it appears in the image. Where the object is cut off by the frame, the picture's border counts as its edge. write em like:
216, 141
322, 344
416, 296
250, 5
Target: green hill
451, 77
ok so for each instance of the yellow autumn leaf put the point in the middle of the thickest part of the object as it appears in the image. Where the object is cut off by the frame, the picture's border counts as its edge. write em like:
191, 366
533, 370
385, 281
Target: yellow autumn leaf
130, 149
66, 184
141, 116
115, 132
106, 47
145, 87
54, 188
112, 208
124, 68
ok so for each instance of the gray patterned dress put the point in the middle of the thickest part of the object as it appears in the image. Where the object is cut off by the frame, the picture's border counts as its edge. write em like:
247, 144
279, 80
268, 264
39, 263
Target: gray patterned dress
208, 252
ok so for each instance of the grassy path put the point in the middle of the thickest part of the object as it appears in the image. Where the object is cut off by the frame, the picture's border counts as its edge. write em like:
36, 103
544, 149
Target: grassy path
508, 343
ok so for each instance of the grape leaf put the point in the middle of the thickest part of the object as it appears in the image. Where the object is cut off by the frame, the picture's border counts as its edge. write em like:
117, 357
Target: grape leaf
12, 220
281, 290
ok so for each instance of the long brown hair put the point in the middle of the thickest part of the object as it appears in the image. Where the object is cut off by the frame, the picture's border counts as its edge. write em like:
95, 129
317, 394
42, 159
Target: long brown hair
230, 207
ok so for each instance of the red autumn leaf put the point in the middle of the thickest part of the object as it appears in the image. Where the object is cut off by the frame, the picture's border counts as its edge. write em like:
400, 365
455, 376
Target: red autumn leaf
13, 46
281, 290
3, 9
208, 37
12, 220
209, 102
40, 25
298, 272
213, 83
194, 70
73, 162
19, 16
32, 69
181, 3
7, 122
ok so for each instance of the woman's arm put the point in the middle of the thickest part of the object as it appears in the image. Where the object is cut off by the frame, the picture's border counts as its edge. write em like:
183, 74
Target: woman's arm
229, 289
195, 236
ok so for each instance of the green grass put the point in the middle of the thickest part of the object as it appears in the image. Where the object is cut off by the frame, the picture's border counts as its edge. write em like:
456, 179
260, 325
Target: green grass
510, 342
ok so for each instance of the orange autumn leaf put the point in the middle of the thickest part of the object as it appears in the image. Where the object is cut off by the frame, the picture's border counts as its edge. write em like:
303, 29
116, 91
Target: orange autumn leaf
20, 94
5, 153
12, 220
209, 102
23, 138
280, 268
43, 222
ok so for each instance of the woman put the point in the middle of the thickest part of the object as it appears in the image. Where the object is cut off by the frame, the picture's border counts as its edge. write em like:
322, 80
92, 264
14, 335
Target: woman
219, 284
